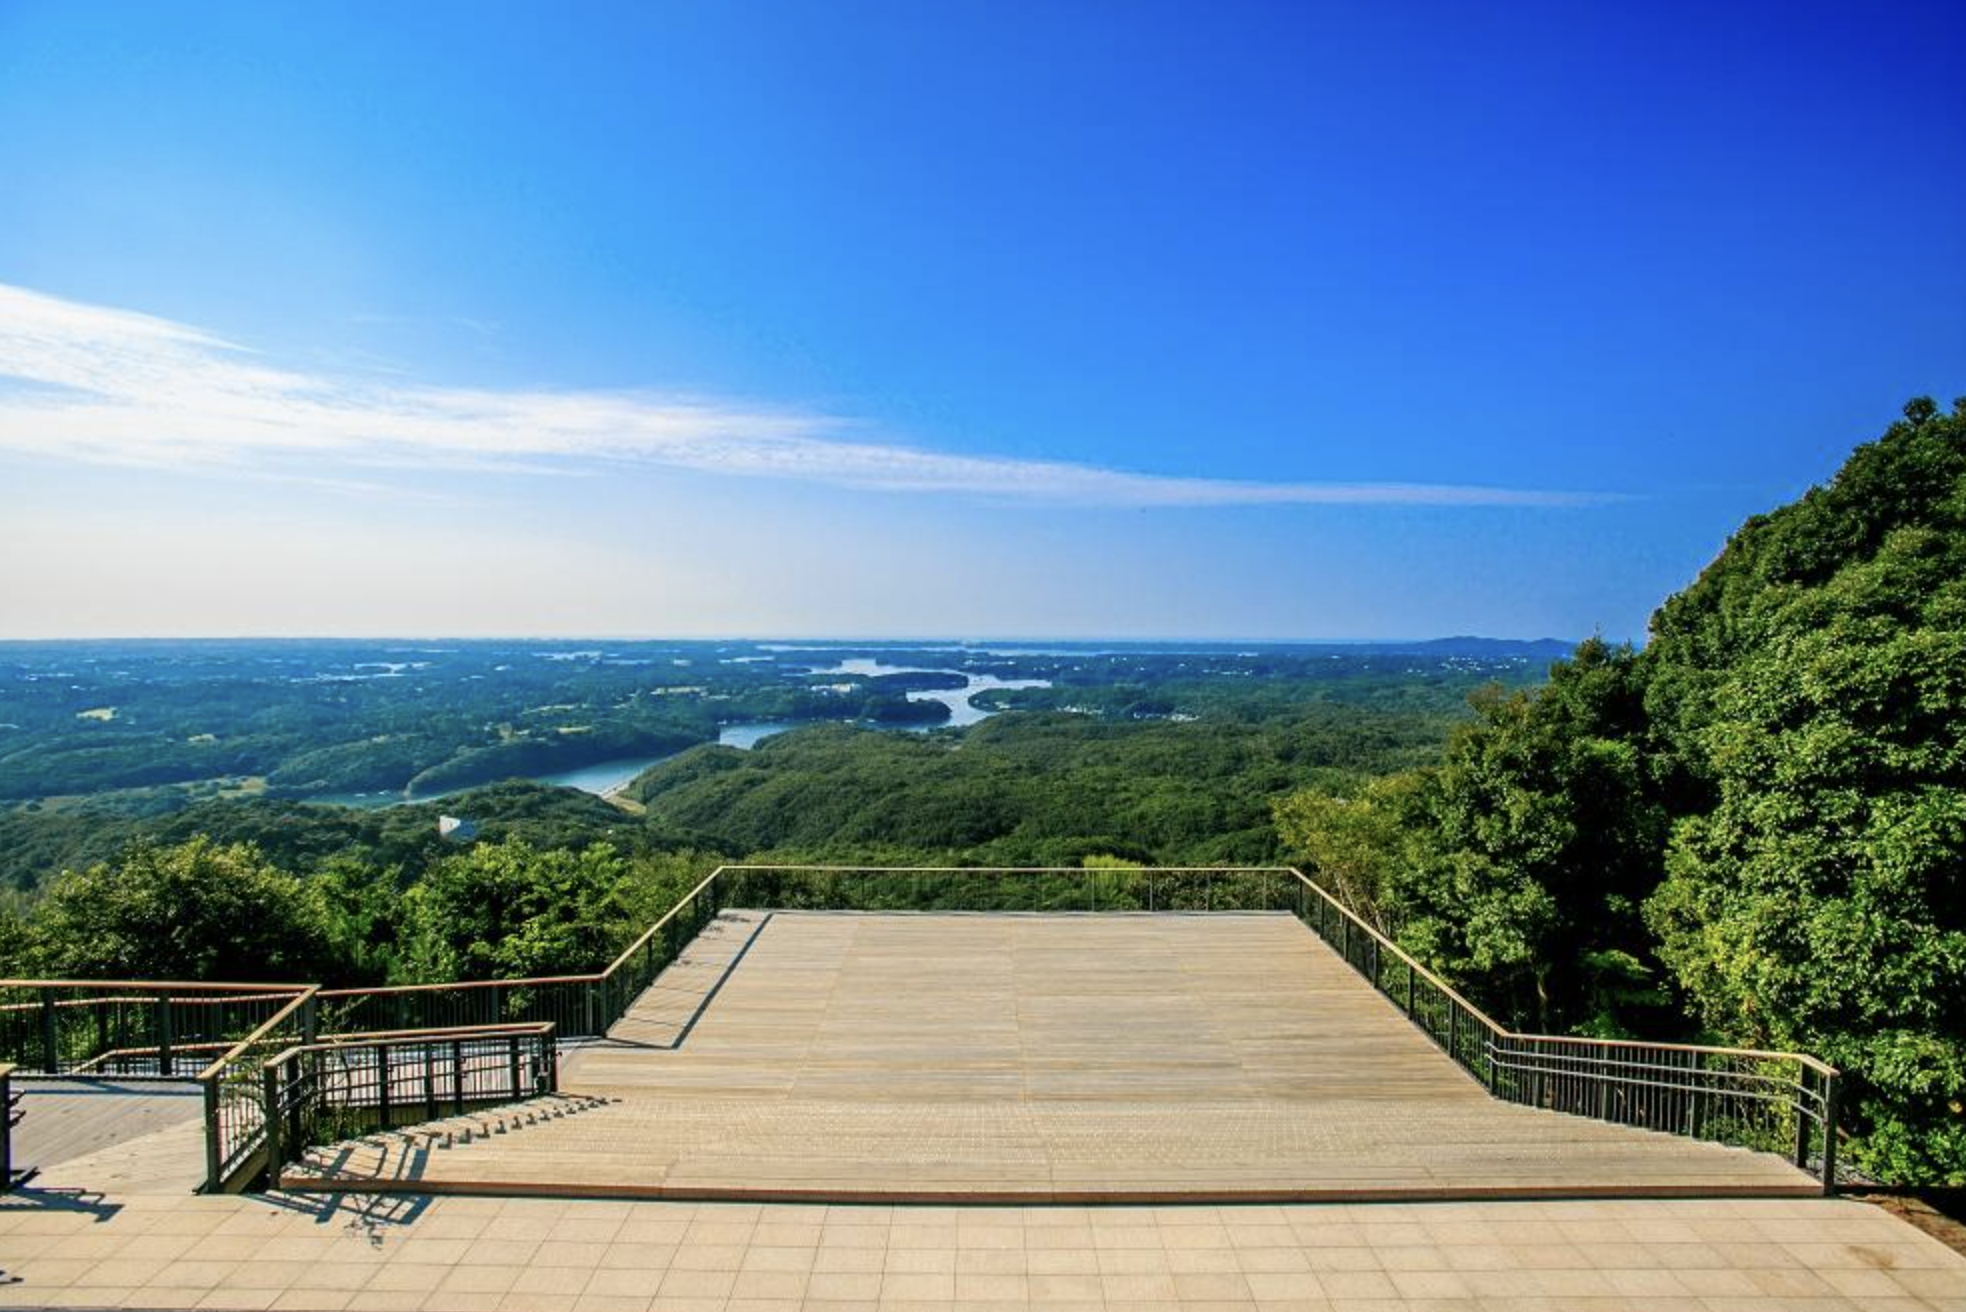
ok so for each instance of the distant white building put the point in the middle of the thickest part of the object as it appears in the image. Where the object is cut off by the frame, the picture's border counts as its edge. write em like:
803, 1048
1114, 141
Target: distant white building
456, 829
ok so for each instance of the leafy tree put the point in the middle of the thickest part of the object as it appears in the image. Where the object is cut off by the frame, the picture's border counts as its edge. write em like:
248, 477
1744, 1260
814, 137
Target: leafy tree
196, 911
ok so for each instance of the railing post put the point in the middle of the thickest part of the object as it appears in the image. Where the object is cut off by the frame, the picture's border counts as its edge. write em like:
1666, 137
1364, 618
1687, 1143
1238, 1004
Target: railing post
1454, 1029
552, 1042
1802, 1118
164, 1035
275, 1145
1412, 976
1832, 1096
50, 1043
587, 1001
310, 1019
457, 1073
214, 1168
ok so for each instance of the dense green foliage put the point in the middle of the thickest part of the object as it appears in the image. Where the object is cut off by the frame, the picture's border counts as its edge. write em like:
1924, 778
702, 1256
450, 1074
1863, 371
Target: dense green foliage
1765, 811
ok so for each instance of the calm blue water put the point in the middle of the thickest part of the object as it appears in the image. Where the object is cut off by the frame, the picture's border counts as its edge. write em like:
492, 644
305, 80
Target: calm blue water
961, 712
750, 735
602, 778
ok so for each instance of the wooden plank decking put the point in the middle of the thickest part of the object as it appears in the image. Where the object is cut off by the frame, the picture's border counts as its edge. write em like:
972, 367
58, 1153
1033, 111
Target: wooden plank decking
1022, 1058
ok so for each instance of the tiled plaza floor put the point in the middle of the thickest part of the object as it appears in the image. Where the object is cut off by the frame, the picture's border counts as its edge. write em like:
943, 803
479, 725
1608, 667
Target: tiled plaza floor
461, 1254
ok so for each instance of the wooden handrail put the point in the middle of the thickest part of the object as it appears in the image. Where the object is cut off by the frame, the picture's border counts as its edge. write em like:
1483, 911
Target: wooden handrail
1019, 870
148, 998
1400, 953
358, 991
154, 986
1816, 1064
671, 914
388, 1038
115, 1054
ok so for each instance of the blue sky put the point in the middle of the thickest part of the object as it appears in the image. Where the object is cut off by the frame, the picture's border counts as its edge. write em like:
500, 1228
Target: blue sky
1080, 319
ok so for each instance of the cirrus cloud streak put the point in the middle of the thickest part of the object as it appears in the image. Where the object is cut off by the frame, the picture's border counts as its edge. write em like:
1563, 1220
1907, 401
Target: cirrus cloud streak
108, 386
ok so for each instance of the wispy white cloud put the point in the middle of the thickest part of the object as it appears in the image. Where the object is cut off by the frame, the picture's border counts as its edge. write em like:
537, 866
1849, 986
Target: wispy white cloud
88, 383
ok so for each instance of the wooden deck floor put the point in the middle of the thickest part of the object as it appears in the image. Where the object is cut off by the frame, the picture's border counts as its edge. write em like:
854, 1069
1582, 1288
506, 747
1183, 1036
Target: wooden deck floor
1028, 1057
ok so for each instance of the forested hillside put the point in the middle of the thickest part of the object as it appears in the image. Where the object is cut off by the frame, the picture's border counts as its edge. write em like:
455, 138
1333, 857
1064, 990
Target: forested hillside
1758, 822
1031, 789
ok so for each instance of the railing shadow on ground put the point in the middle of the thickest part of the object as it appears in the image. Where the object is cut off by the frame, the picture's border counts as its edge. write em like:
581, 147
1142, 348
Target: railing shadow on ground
1783, 1102
373, 1215
30, 1197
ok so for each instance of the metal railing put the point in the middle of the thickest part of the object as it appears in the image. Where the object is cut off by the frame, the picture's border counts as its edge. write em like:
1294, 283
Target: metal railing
133, 1029
1782, 1102
356, 1083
